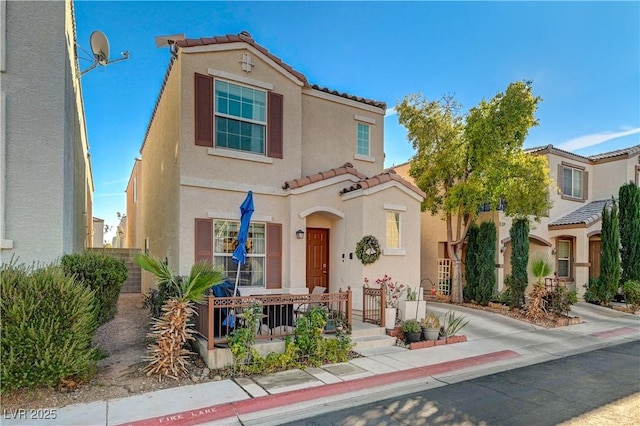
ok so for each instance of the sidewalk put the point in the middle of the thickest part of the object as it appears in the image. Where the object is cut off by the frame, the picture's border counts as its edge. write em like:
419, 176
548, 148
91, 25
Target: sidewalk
495, 343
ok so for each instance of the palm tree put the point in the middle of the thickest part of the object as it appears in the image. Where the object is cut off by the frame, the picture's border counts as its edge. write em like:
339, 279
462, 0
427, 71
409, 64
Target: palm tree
540, 267
168, 356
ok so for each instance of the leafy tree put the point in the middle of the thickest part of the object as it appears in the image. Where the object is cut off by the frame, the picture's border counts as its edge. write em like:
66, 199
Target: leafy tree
519, 233
471, 264
609, 280
463, 161
629, 198
486, 263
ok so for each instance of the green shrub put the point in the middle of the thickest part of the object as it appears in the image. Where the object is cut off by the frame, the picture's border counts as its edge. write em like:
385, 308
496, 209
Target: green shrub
561, 300
103, 274
631, 291
156, 298
591, 291
48, 322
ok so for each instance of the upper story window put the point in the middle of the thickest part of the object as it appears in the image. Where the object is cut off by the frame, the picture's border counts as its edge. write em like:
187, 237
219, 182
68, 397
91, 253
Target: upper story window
225, 242
572, 182
363, 146
240, 117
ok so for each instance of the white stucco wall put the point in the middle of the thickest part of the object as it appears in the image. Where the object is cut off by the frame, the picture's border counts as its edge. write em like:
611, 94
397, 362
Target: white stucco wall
47, 185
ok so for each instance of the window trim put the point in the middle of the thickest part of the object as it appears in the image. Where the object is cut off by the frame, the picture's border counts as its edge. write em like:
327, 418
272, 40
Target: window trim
264, 124
358, 139
567, 259
263, 256
585, 181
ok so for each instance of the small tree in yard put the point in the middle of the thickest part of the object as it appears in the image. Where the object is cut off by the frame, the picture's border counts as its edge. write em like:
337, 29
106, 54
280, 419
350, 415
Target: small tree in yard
486, 263
519, 233
630, 231
463, 161
609, 280
471, 264
168, 357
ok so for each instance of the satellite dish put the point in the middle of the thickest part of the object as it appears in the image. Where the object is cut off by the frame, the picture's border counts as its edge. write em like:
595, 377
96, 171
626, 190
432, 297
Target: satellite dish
100, 49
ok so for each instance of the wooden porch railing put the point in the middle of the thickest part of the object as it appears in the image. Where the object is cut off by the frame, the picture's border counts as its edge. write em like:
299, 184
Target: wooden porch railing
280, 312
373, 303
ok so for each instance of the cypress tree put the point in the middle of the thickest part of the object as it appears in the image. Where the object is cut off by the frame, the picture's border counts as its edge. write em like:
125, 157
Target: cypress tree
486, 263
629, 198
610, 263
519, 233
471, 264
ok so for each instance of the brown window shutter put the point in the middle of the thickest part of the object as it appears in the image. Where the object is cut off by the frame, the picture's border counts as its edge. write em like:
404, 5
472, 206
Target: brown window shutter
204, 110
274, 255
585, 185
204, 240
274, 125
560, 177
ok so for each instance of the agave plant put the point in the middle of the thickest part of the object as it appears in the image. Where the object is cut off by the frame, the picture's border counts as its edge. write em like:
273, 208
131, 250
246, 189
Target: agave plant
168, 356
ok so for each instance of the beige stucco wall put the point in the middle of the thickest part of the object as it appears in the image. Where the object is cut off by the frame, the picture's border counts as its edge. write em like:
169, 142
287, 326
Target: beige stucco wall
329, 132
212, 164
133, 237
182, 181
159, 190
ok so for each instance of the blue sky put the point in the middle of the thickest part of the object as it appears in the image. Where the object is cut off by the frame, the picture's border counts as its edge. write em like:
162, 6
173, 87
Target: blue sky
583, 59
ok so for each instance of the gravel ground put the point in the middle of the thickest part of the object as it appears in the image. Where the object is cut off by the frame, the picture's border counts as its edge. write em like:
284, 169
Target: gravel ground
119, 374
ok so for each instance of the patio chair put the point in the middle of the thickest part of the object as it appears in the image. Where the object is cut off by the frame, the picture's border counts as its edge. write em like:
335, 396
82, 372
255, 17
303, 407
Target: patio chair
304, 307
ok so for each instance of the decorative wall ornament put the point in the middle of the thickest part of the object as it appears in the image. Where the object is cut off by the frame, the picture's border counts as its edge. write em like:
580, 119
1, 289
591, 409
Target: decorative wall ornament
247, 65
368, 249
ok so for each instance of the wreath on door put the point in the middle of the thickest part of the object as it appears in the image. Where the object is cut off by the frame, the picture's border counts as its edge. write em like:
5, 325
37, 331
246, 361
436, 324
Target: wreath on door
368, 249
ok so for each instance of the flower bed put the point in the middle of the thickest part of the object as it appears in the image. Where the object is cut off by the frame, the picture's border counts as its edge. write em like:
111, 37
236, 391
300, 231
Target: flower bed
429, 343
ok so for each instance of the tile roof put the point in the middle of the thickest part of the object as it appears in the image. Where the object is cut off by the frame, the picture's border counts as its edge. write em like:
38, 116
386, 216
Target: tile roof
346, 168
587, 214
245, 37
364, 182
381, 178
625, 151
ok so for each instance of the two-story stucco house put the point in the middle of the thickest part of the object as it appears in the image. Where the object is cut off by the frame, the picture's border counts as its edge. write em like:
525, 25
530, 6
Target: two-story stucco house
570, 235
46, 184
231, 117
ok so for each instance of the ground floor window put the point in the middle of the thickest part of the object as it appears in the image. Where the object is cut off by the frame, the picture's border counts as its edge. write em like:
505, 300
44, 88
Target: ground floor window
225, 242
393, 230
564, 258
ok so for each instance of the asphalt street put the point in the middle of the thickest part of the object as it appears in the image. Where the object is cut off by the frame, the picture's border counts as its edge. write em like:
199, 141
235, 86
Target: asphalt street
543, 394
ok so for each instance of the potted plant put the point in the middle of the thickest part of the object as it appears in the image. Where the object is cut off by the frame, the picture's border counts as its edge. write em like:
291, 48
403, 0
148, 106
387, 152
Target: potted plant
430, 326
411, 329
413, 307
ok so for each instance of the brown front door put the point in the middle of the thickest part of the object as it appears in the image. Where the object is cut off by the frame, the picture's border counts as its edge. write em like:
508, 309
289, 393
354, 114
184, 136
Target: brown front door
595, 248
317, 258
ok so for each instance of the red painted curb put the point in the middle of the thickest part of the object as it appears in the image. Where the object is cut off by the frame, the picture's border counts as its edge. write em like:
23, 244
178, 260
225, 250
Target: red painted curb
615, 332
232, 409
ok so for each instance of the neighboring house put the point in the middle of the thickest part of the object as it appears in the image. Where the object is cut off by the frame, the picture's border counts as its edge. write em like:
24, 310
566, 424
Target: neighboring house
98, 232
119, 240
46, 184
570, 236
231, 117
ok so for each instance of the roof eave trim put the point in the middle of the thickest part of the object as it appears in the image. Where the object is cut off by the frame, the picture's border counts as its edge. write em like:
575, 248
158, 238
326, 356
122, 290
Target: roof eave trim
241, 45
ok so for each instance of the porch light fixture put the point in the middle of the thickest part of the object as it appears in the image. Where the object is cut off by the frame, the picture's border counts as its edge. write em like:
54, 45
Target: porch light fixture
299, 234
553, 252
503, 247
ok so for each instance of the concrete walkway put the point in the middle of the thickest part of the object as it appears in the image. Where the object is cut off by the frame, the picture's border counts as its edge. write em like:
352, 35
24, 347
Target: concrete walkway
495, 343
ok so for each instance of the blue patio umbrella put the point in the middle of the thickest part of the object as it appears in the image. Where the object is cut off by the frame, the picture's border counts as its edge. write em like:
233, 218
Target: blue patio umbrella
240, 253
